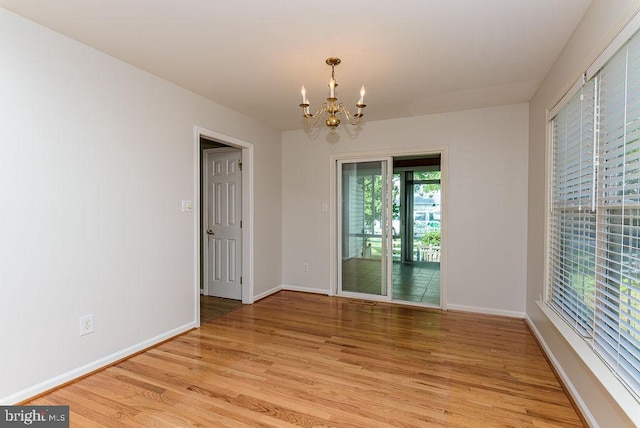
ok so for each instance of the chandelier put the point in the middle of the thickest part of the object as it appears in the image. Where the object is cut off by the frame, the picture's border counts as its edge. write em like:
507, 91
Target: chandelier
331, 109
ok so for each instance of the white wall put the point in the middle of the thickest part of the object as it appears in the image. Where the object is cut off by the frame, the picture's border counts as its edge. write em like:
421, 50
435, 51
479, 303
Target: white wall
486, 195
598, 27
95, 158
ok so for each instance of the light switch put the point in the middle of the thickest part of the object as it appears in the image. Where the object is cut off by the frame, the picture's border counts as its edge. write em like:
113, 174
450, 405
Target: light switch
324, 208
187, 206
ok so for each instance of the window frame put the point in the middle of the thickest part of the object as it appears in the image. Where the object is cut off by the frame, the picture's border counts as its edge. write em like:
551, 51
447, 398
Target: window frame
583, 346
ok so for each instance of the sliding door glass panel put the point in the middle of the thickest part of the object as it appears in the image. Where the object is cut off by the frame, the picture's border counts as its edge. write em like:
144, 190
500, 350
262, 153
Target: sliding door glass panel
365, 229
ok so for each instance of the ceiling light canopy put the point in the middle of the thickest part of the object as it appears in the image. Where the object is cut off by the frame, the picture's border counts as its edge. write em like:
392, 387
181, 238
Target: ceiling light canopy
331, 109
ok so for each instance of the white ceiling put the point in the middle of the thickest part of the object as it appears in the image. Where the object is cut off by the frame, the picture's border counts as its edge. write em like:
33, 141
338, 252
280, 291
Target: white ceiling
414, 57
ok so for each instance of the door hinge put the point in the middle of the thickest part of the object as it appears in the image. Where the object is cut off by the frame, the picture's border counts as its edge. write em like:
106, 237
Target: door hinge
240, 224
240, 280
240, 165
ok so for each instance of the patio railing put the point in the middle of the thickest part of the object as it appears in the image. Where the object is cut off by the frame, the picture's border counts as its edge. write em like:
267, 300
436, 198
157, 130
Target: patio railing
371, 249
430, 253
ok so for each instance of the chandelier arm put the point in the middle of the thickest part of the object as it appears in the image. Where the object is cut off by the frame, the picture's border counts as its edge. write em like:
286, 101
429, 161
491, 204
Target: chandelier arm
352, 120
313, 119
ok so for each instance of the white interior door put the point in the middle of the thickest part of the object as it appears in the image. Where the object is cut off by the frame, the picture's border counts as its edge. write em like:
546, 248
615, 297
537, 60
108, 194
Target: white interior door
222, 227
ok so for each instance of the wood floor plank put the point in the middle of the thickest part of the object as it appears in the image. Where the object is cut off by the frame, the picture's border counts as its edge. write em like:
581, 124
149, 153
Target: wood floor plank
295, 359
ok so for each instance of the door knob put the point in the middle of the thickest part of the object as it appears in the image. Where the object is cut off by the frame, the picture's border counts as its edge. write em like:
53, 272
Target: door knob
210, 232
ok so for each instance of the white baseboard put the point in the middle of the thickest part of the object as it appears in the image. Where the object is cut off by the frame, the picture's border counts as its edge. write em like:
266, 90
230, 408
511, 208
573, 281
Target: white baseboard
76, 373
266, 293
563, 375
487, 311
305, 289
289, 288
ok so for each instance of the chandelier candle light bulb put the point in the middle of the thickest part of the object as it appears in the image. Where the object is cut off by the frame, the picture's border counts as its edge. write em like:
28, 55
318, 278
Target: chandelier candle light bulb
361, 101
331, 109
305, 102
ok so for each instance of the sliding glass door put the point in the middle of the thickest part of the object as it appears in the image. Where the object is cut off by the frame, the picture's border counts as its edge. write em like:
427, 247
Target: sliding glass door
364, 226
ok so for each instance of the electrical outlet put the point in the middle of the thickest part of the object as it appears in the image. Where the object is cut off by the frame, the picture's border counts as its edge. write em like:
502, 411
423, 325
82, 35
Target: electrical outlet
306, 267
86, 324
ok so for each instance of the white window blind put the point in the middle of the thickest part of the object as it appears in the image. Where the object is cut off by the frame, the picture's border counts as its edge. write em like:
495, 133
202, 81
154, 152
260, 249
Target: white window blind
617, 315
594, 224
573, 220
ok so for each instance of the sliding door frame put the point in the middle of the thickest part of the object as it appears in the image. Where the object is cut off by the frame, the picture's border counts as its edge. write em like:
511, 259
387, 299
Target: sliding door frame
385, 225
334, 213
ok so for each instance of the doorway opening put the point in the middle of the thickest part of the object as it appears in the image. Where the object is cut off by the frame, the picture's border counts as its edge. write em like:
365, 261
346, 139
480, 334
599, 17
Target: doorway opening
389, 231
417, 196
223, 229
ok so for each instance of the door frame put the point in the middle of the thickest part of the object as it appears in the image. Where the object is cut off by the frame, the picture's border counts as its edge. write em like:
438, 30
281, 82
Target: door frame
247, 213
333, 219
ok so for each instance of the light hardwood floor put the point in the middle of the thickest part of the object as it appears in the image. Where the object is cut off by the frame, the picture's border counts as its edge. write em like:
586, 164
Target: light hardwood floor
295, 359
